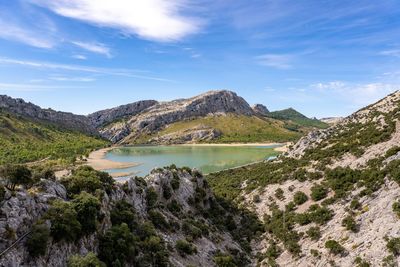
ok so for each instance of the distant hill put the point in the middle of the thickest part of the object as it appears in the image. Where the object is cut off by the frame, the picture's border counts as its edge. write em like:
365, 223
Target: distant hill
294, 116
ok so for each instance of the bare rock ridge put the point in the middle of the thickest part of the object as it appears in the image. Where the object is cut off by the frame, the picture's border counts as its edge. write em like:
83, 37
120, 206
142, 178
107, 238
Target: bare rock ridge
103, 117
260, 109
158, 116
64, 119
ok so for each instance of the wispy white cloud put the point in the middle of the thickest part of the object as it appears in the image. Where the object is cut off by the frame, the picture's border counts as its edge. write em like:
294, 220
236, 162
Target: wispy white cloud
104, 71
71, 79
98, 48
278, 61
358, 94
393, 53
158, 20
81, 57
27, 87
14, 32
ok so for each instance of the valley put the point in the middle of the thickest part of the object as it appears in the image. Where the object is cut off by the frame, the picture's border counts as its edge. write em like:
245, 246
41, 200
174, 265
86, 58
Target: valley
330, 198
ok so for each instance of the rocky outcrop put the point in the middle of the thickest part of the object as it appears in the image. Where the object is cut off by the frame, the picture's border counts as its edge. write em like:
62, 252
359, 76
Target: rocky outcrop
103, 117
197, 134
260, 109
63, 119
162, 114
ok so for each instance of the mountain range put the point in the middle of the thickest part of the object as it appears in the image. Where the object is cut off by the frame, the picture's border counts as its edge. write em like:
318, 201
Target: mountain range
215, 116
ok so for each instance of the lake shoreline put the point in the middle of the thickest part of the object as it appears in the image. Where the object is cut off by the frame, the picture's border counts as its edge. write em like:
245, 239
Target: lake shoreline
98, 161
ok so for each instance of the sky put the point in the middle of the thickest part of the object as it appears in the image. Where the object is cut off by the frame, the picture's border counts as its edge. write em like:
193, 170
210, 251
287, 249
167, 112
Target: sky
322, 57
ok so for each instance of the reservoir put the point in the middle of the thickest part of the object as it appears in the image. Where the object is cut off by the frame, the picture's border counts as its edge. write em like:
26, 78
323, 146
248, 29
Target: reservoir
205, 158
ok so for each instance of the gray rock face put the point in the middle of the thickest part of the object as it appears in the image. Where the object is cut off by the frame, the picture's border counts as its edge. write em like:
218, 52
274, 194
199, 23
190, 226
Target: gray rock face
260, 109
64, 119
162, 114
196, 134
103, 117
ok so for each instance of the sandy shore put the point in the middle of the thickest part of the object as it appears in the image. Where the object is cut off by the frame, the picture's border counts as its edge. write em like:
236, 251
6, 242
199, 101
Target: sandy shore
97, 161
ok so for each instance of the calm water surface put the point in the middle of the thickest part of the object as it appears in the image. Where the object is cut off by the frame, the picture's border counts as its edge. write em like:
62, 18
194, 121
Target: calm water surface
205, 158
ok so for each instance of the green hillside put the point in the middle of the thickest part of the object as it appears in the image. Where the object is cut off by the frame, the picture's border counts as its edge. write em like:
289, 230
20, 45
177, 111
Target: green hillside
22, 140
235, 129
294, 116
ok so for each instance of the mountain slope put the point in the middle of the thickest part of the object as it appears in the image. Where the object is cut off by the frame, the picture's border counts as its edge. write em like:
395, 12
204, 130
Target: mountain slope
200, 119
333, 199
25, 140
61, 119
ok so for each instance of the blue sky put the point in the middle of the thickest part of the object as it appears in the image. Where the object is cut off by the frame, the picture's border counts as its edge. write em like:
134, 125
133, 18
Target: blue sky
322, 57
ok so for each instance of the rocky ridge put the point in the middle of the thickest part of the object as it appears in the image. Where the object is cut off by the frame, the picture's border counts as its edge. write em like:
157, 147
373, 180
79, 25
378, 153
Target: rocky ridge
103, 117
162, 114
64, 119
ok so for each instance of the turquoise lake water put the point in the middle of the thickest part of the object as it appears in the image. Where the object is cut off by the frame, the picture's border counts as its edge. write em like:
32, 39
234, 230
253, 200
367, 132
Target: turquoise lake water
205, 158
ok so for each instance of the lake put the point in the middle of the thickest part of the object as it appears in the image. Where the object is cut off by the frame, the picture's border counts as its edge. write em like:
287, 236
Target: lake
207, 159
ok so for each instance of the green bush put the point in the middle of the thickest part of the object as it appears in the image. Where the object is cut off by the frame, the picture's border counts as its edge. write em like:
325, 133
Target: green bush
64, 221
36, 242
16, 175
158, 220
224, 260
396, 208
175, 182
361, 263
174, 207
151, 197
166, 191
350, 224
123, 212
90, 260
87, 208
314, 233
393, 245
318, 192
279, 194
355, 204
300, 198
117, 246
185, 248
334, 247
87, 179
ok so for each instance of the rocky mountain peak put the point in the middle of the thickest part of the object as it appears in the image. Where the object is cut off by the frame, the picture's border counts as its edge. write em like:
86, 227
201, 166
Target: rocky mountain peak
260, 109
158, 116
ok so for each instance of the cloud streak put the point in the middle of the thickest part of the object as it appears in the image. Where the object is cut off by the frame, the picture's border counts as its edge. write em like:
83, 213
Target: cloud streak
104, 71
359, 94
157, 20
277, 61
97, 48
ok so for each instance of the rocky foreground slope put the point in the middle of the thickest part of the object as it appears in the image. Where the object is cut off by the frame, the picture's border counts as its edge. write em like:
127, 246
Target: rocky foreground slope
333, 200
169, 218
